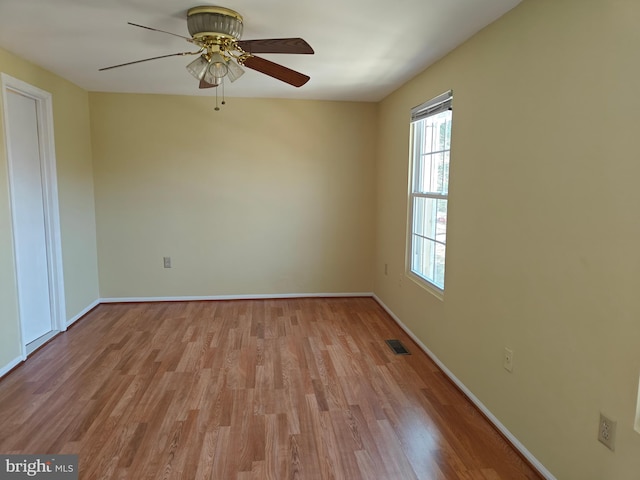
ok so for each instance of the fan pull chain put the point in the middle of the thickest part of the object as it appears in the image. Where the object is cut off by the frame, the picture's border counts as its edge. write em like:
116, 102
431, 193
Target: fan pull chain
223, 102
217, 107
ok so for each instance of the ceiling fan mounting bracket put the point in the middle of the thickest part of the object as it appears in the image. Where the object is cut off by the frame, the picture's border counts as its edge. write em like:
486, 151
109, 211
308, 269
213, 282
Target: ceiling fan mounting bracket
212, 9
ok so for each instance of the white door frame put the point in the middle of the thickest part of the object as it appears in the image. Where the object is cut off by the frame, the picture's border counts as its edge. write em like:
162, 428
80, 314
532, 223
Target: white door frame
44, 111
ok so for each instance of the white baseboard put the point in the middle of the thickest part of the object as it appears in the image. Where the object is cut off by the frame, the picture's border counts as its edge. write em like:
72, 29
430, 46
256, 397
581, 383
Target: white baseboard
83, 312
265, 296
12, 364
487, 413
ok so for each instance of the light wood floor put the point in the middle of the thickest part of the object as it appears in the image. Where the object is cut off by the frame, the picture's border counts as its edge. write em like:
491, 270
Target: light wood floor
239, 390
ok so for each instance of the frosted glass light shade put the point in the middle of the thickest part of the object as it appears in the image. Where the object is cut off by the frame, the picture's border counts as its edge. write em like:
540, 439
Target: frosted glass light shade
198, 67
218, 65
235, 71
212, 79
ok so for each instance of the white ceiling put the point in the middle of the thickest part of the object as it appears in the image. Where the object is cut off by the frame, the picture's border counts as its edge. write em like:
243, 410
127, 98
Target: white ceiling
364, 49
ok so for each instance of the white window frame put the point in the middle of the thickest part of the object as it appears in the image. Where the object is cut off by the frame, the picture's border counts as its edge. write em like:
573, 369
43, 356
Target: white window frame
437, 242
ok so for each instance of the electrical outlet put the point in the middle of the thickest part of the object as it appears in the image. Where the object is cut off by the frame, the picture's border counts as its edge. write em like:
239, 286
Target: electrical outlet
507, 360
167, 262
607, 432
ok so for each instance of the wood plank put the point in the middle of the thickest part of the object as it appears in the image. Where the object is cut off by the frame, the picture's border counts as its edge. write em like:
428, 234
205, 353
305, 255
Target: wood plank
248, 389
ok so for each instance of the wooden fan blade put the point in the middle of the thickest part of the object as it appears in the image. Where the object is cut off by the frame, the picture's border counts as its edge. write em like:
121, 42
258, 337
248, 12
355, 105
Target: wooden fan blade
188, 39
275, 70
147, 60
276, 45
204, 84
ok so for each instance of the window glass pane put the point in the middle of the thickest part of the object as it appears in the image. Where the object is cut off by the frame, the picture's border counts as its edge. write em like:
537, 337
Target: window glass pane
441, 221
416, 254
423, 254
447, 132
436, 167
428, 260
438, 274
436, 132
430, 218
428, 137
418, 177
426, 174
444, 177
419, 173
431, 155
424, 217
441, 124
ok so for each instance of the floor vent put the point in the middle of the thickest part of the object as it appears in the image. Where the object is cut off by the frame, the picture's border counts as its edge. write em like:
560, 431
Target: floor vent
397, 347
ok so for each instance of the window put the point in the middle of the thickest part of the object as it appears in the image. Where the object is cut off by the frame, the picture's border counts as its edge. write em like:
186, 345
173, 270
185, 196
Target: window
430, 146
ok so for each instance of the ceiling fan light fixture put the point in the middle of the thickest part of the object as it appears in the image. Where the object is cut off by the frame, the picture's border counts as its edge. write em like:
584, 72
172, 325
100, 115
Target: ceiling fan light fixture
198, 68
217, 65
235, 71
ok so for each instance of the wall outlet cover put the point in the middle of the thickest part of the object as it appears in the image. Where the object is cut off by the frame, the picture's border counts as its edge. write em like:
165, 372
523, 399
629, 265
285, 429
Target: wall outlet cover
507, 360
607, 432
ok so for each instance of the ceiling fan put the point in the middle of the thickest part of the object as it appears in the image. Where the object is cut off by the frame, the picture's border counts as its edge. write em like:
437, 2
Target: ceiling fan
216, 31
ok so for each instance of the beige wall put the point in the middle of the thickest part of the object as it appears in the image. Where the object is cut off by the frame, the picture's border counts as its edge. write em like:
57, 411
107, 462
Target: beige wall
543, 250
75, 192
262, 197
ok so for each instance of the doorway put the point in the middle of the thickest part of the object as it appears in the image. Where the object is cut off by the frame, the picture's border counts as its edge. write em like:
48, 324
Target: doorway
28, 123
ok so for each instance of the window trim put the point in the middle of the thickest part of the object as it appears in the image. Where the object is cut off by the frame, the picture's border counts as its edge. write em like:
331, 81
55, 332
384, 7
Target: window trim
432, 107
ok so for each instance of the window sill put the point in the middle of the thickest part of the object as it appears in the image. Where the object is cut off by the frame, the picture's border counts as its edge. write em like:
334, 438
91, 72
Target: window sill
426, 285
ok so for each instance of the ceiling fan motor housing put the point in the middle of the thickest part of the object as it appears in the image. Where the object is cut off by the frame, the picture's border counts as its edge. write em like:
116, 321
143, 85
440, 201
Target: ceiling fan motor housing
211, 21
